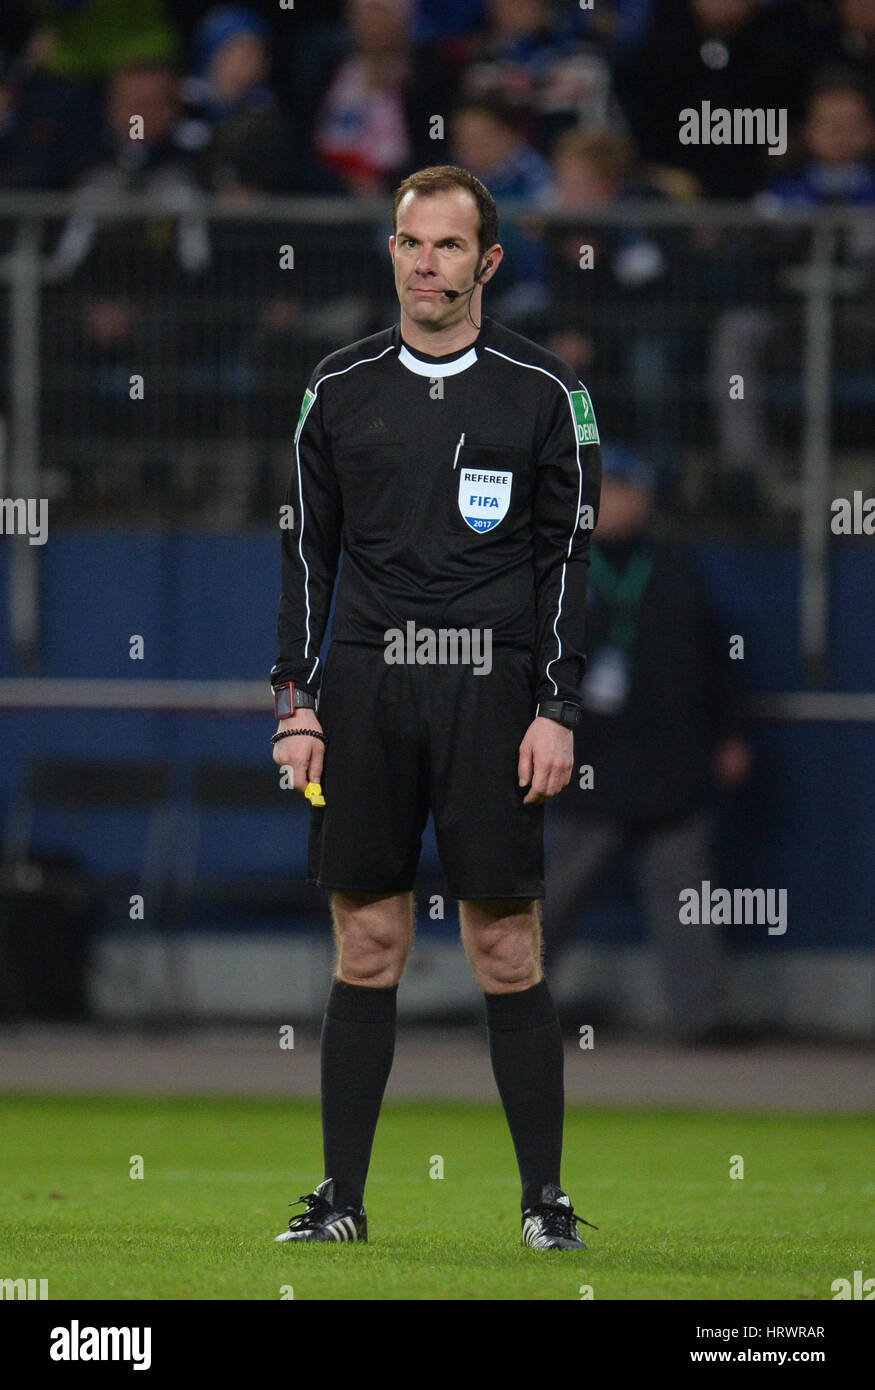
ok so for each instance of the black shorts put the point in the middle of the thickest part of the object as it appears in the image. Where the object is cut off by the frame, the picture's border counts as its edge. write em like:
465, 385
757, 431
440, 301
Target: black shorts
406, 739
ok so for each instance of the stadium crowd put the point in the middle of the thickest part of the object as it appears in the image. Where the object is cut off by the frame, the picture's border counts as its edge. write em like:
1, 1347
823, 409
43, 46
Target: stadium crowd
554, 105
263, 97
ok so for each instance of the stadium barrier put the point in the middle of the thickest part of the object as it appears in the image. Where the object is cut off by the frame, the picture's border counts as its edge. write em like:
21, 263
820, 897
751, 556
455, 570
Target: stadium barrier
151, 373
155, 359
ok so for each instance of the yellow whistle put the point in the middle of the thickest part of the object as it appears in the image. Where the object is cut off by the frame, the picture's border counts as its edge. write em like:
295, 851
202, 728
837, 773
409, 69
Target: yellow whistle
313, 793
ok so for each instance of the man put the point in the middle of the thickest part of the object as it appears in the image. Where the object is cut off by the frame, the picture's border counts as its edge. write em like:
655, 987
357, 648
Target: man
663, 730
159, 164
457, 464
761, 339
736, 55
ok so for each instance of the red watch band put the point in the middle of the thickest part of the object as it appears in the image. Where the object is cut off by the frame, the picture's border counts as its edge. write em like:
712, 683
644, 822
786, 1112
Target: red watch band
284, 700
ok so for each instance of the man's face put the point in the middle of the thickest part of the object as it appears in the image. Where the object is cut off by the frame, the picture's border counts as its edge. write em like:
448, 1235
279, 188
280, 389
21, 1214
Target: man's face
378, 26
240, 64
480, 142
839, 128
148, 92
514, 18
435, 248
859, 15
724, 16
581, 184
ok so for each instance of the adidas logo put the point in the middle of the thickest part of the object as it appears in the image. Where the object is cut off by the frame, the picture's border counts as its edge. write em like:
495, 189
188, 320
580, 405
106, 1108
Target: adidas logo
344, 1228
375, 426
534, 1235
341, 1228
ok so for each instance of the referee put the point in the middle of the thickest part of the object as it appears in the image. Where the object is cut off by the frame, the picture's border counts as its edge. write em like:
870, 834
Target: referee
456, 466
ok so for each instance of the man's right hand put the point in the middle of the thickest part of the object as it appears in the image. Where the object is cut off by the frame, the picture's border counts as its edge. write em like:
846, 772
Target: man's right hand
303, 756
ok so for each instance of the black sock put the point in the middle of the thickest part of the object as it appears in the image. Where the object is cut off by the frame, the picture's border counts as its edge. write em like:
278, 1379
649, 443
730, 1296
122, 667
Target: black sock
358, 1043
525, 1043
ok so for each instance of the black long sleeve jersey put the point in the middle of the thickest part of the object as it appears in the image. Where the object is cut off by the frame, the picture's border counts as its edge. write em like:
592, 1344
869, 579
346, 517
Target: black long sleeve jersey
463, 491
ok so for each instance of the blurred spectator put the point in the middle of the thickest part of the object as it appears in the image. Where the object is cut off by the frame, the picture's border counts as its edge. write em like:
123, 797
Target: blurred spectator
122, 294
277, 296
156, 163
661, 731
232, 65
836, 167
853, 42
250, 154
533, 57
237, 116
362, 127
48, 128
602, 282
49, 121
93, 38
486, 140
838, 136
734, 54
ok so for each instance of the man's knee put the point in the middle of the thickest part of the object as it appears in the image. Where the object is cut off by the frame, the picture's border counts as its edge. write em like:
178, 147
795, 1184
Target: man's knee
502, 939
372, 934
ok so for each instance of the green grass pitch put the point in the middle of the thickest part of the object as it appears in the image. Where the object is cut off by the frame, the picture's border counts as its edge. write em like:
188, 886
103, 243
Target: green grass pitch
218, 1175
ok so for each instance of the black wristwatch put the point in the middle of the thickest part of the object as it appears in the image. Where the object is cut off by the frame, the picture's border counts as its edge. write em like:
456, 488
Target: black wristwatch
563, 711
288, 697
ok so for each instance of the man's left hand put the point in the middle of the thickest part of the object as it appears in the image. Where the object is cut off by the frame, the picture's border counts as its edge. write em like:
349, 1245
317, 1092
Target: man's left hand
546, 760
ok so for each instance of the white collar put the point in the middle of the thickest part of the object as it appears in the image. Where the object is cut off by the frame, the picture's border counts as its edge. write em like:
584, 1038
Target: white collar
435, 368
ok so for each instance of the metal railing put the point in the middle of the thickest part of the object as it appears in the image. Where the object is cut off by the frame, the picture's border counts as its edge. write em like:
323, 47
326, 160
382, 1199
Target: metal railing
155, 356
240, 697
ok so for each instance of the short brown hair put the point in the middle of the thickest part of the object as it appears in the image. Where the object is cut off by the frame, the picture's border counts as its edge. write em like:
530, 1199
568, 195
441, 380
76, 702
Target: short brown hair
611, 153
441, 177
837, 81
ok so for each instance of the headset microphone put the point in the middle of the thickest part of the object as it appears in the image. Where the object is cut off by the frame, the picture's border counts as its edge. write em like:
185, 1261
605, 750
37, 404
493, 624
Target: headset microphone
454, 294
